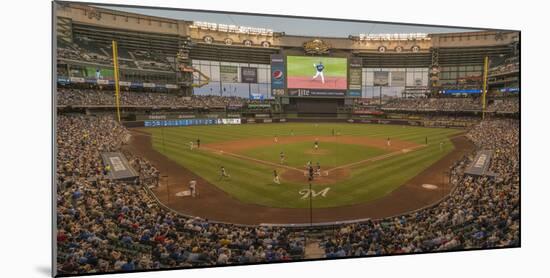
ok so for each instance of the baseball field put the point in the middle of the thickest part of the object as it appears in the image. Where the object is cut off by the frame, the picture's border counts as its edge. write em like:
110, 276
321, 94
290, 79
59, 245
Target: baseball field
358, 163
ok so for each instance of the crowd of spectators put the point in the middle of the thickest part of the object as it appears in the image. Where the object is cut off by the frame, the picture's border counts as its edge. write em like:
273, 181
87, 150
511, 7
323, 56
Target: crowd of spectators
75, 52
509, 104
101, 55
105, 225
433, 104
91, 97
510, 65
481, 212
449, 121
68, 53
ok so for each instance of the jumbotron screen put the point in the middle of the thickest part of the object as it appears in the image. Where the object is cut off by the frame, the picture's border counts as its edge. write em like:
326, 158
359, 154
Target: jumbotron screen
316, 72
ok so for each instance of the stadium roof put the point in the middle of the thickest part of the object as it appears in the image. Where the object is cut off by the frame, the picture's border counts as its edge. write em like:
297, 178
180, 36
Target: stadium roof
291, 25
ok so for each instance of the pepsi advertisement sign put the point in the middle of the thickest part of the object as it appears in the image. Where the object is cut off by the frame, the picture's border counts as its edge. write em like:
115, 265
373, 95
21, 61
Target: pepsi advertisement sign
277, 72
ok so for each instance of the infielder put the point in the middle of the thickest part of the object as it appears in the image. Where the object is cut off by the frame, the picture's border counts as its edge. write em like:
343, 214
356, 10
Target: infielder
319, 71
276, 139
388, 142
191, 145
276, 177
282, 157
316, 144
223, 173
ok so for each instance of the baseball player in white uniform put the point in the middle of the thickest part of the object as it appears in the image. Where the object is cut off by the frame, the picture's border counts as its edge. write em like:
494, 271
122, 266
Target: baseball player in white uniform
276, 177
193, 188
319, 71
223, 173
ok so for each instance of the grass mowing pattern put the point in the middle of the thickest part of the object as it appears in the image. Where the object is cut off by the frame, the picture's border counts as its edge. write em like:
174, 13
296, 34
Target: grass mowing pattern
329, 155
252, 182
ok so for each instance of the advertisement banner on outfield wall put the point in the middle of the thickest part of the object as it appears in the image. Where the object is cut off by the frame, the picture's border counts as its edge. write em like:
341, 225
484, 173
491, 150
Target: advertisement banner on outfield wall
63, 81
190, 122
380, 78
354, 93
277, 74
77, 79
398, 78
355, 74
249, 75
229, 74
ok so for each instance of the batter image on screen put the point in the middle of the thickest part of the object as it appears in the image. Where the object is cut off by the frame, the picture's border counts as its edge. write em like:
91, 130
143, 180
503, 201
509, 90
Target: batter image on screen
316, 72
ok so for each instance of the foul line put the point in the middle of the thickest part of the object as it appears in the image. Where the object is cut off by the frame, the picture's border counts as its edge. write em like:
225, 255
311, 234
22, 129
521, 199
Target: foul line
372, 159
376, 158
220, 152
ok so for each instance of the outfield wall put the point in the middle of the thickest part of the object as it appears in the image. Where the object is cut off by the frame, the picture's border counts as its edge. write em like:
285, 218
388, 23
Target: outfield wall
228, 121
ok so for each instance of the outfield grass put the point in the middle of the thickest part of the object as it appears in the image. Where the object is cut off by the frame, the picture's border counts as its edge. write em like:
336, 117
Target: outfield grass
252, 182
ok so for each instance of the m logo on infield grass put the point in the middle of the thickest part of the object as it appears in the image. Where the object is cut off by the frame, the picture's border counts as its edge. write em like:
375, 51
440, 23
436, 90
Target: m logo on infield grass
306, 193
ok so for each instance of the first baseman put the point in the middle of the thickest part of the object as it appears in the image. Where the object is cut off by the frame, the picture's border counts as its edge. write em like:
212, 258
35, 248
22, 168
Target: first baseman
276, 177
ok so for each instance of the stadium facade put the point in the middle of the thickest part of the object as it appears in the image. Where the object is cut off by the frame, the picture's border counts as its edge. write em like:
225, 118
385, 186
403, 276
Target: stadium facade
200, 58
